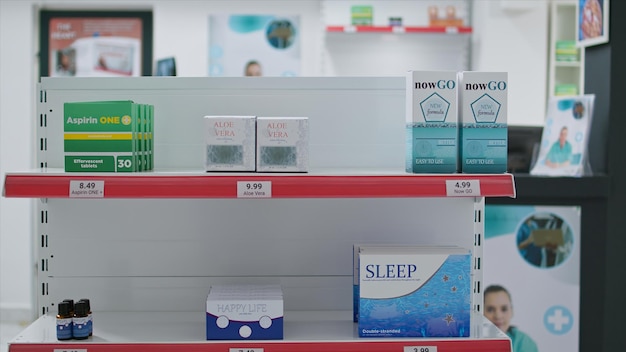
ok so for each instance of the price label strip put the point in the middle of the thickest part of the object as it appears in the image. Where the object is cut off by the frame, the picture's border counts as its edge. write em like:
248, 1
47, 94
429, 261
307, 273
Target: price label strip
245, 350
86, 189
420, 349
254, 189
463, 188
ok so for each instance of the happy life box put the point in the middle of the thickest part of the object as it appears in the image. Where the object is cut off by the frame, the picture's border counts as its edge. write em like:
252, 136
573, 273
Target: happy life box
415, 293
431, 122
483, 132
242, 312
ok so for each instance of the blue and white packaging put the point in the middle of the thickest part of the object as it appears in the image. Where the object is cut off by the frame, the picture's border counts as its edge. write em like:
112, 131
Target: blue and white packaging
431, 122
230, 143
415, 293
483, 130
244, 312
357, 249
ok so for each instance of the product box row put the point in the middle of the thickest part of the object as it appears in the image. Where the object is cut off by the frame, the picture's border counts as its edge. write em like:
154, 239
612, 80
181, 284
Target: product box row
262, 144
456, 122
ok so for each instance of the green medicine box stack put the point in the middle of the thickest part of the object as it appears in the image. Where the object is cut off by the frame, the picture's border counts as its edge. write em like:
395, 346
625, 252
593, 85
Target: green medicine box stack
108, 136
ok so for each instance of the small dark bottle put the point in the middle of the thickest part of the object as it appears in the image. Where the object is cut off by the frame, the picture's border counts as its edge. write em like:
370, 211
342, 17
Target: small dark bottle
71, 303
89, 315
80, 322
64, 322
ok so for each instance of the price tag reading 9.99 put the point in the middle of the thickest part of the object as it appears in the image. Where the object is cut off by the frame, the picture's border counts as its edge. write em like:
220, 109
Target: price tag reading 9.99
420, 349
254, 189
463, 188
254, 186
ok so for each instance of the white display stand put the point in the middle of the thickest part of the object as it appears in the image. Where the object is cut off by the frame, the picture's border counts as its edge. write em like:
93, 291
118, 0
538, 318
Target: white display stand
146, 252
563, 27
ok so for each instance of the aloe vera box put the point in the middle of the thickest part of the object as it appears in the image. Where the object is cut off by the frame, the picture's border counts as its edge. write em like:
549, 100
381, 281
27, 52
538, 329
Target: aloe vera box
104, 136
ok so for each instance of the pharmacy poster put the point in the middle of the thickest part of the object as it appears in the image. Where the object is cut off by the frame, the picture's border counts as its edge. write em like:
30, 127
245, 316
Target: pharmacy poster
534, 252
254, 45
95, 44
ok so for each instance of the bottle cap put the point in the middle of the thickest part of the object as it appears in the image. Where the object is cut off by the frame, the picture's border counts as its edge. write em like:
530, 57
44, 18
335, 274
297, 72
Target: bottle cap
86, 301
70, 302
64, 308
80, 308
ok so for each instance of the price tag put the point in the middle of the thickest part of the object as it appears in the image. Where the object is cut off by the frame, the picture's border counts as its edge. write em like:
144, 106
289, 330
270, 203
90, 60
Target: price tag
452, 30
349, 29
398, 29
245, 350
69, 350
86, 189
254, 189
420, 348
463, 188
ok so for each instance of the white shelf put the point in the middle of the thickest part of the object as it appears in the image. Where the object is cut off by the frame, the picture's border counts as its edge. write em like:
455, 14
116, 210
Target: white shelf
567, 63
303, 331
563, 27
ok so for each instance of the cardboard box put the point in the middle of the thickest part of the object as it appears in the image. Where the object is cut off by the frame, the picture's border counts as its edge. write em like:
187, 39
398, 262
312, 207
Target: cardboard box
484, 131
431, 122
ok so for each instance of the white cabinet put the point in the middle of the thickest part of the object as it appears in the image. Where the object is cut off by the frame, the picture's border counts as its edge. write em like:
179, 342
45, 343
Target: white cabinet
566, 62
147, 251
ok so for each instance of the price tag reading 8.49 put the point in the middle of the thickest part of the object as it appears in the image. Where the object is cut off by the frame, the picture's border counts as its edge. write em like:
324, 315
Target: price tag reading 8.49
463, 188
420, 348
254, 189
86, 189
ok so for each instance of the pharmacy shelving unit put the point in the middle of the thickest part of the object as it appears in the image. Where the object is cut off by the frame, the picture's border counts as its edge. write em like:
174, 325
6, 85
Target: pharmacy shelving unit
145, 247
563, 28
416, 44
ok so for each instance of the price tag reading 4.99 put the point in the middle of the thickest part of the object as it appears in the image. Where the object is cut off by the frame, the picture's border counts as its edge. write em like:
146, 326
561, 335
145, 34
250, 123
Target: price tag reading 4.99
86, 189
420, 348
463, 188
254, 189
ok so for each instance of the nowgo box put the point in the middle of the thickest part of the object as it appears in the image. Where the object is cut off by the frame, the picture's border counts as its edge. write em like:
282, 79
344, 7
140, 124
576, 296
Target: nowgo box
102, 136
484, 131
230, 143
244, 313
431, 122
282, 144
406, 293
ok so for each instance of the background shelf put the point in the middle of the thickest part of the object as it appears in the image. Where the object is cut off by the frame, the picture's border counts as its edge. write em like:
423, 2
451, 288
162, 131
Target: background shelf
399, 29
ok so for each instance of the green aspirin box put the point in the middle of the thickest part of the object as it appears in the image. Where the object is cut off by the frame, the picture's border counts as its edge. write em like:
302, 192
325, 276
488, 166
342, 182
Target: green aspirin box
101, 136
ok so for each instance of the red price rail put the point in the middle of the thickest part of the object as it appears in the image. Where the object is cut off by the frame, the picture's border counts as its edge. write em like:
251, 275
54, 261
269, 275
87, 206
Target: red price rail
202, 185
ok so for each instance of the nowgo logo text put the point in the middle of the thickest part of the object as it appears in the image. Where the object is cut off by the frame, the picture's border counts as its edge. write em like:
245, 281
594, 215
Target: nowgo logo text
491, 85
440, 84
